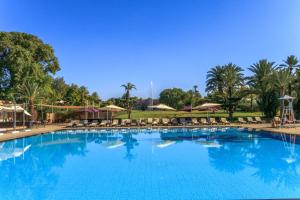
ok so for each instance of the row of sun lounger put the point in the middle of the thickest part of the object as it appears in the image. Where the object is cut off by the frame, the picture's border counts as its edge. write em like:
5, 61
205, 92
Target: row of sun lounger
250, 120
149, 121
163, 122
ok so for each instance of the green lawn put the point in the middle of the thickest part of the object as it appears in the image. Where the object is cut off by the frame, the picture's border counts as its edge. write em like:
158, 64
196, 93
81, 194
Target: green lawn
136, 114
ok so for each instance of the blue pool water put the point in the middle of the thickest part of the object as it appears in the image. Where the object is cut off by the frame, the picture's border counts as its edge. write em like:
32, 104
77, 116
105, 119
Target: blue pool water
151, 164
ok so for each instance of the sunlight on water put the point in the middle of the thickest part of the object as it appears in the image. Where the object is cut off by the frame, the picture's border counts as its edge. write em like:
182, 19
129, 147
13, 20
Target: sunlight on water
151, 164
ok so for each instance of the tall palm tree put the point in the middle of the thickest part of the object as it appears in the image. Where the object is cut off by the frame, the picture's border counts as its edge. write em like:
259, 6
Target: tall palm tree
281, 82
195, 87
291, 63
261, 72
225, 83
30, 91
215, 79
233, 81
128, 87
261, 84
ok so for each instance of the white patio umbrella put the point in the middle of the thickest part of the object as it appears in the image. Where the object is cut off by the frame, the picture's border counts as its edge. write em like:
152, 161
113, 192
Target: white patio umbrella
207, 106
161, 107
111, 108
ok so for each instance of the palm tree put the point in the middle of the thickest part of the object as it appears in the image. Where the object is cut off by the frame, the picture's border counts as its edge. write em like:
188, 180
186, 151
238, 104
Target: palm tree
225, 83
30, 91
195, 87
215, 79
128, 87
233, 81
291, 63
281, 82
261, 84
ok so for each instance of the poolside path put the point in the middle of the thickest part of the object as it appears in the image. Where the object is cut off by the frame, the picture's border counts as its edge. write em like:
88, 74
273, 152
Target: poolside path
268, 127
32, 132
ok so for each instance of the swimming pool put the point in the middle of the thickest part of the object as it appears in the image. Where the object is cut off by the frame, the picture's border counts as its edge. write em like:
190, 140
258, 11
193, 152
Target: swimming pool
223, 163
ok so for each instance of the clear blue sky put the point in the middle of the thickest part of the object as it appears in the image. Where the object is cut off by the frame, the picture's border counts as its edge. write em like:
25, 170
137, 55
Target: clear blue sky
103, 44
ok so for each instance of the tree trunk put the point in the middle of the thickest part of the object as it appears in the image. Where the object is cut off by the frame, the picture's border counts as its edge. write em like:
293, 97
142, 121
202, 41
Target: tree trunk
129, 114
230, 111
32, 110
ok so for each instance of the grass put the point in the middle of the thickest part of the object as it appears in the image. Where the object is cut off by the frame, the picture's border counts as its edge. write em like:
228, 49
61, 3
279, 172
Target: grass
137, 114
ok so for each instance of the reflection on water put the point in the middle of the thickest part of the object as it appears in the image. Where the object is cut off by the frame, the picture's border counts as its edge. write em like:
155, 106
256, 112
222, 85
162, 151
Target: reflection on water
28, 165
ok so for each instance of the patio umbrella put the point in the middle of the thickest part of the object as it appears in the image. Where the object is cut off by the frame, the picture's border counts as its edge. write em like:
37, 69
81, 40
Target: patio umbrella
111, 108
207, 106
161, 107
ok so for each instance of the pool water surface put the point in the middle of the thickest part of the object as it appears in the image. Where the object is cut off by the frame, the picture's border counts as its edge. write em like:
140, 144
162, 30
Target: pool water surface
211, 163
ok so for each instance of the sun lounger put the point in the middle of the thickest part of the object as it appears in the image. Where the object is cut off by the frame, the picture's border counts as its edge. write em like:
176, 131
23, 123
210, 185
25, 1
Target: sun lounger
72, 123
94, 123
174, 121
203, 121
85, 122
79, 124
103, 123
123, 122
213, 121
250, 120
165, 121
195, 121
155, 122
133, 122
224, 121
142, 122
259, 120
182, 121
115, 122
149, 121
128, 122
241, 120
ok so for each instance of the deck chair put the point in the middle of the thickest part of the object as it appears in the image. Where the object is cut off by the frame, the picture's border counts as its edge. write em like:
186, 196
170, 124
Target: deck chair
165, 121
142, 122
195, 121
103, 123
241, 120
133, 122
250, 120
213, 121
155, 122
224, 120
203, 121
182, 121
94, 123
123, 122
149, 121
259, 120
174, 122
115, 122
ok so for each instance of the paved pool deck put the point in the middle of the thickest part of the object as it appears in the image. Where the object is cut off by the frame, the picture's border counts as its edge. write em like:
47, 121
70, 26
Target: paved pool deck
55, 127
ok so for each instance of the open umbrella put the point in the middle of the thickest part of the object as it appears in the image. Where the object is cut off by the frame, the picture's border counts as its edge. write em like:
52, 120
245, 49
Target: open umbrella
111, 108
161, 107
207, 106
